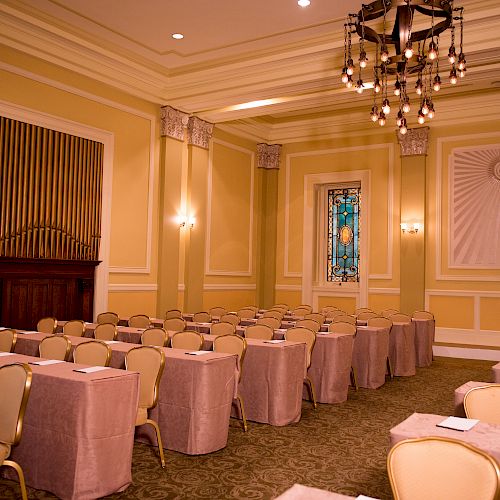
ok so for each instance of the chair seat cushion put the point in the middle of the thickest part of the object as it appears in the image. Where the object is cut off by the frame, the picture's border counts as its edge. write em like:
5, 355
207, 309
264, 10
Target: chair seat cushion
4, 452
142, 416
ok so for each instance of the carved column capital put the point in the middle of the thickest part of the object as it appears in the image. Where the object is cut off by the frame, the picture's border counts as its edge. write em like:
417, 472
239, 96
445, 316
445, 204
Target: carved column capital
414, 142
268, 155
199, 132
173, 122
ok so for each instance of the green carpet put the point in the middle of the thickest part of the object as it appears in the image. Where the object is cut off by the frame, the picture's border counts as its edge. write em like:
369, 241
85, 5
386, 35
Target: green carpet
342, 448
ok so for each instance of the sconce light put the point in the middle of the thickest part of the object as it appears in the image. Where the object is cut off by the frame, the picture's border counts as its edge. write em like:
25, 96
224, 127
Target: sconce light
411, 228
191, 221
185, 221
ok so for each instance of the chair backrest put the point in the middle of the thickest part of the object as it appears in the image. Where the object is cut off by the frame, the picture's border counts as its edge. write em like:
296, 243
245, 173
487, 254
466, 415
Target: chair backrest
55, 347
344, 318
139, 321
273, 314
366, 315
326, 309
173, 313
230, 318
231, 344
483, 403
149, 361
108, 317
319, 317
222, 328
340, 327
362, 310
301, 334
400, 318
333, 313
283, 308
8, 339
388, 312
47, 325
155, 336
217, 311
246, 312
75, 328
15, 386
379, 321
311, 324
188, 340
202, 317
269, 321
174, 324
105, 331
259, 332
422, 315
437, 468
93, 352
302, 310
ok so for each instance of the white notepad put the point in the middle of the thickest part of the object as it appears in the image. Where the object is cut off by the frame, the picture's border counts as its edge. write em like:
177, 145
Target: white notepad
111, 341
198, 353
7, 354
458, 424
46, 362
364, 497
27, 333
91, 369
323, 333
4, 328
273, 341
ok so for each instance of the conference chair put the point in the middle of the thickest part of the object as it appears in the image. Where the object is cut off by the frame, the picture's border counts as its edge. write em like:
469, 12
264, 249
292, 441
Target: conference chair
246, 313
349, 329
326, 309
319, 317
437, 468
139, 321
366, 315
93, 353
173, 313
105, 331
483, 403
8, 339
174, 324
422, 315
55, 347
273, 323
155, 337
188, 340
400, 318
311, 324
333, 313
380, 321
202, 317
74, 327
149, 361
301, 334
222, 328
15, 386
230, 318
273, 314
344, 318
108, 317
263, 332
302, 310
362, 310
47, 325
234, 344
217, 311
388, 312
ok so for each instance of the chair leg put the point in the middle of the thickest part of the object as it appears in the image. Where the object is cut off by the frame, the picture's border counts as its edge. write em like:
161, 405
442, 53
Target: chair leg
310, 387
242, 411
19, 471
389, 368
354, 380
160, 443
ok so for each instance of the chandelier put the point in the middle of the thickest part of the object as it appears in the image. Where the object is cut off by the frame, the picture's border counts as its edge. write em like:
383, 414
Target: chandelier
402, 53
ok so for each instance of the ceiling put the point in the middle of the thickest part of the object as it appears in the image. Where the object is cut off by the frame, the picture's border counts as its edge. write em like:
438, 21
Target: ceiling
234, 53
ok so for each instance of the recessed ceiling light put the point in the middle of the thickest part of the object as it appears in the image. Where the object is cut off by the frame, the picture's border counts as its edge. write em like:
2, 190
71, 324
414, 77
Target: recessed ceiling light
178, 36
304, 3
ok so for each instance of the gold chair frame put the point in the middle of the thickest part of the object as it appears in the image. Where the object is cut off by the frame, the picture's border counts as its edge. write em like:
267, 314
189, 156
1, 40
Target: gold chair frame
47, 319
143, 321
156, 328
73, 322
93, 341
190, 333
13, 337
58, 337
108, 317
105, 326
469, 413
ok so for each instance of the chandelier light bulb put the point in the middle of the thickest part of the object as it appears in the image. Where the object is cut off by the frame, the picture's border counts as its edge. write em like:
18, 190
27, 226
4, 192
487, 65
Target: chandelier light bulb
425, 107
452, 55
406, 105
461, 61
408, 50
350, 67
397, 88
453, 76
359, 86
386, 107
461, 73
403, 128
381, 119
433, 53
304, 3
399, 118
437, 83
374, 114
384, 54
431, 112
344, 76
421, 117
349, 83
363, 60
418, 87
376, 85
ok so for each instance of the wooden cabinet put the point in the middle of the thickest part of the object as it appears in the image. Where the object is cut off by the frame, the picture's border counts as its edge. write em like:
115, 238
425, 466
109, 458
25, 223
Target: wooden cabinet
33, 288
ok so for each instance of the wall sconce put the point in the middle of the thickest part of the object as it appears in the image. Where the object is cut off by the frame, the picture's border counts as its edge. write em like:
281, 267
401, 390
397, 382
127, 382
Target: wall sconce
185, 221
411, 228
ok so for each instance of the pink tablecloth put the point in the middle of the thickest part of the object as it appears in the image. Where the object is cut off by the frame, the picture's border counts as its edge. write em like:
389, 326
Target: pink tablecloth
300, 492
460, 393
424, 338
402, 349
370, 353
125, 333
78, 430
496, 373
484, 436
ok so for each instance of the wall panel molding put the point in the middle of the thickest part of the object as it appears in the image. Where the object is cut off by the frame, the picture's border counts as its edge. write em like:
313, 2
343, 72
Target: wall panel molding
222, 286
133, 287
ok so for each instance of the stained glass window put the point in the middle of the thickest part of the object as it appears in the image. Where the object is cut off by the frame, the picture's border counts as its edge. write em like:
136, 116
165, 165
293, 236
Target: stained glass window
343, 234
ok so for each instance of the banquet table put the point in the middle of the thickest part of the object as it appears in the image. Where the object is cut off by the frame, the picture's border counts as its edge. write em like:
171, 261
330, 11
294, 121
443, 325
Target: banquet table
424, 338
195, 395
301, 492
484, 436
496, 373
460, 393
369, 357
78, 430
402, 349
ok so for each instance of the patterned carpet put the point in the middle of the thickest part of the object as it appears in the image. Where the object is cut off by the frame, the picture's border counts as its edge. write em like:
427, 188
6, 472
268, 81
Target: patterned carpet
341, 448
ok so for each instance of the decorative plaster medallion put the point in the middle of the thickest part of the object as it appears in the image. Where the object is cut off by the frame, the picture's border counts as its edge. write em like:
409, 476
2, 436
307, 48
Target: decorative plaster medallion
199, 132
268, 155
414, 142
173, 122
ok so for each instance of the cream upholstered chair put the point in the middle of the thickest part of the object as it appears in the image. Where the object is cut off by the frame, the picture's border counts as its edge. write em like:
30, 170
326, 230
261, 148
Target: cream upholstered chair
202, 317
333, 313
483, 403
344, 318
388, 312
139, 321
217, 311
400, 318
105, 331
174, 324
302, 310
173, 313
108, 317
149, 361
366, 315
222, 328
234, 344
301, 334
263, 332
74, 327
246, 312
380, 321
93, 352
311, 324
325, 309
8, 339
283, 308
362, 310
47, 325
230, 318
188, 340
273, 314
341, 327
155, 336
55, 347
437, 468
422, 315
269, 321
319, 317
15, 386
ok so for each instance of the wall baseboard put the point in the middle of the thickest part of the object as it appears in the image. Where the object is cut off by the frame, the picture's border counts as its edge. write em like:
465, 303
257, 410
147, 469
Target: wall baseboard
466, 353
